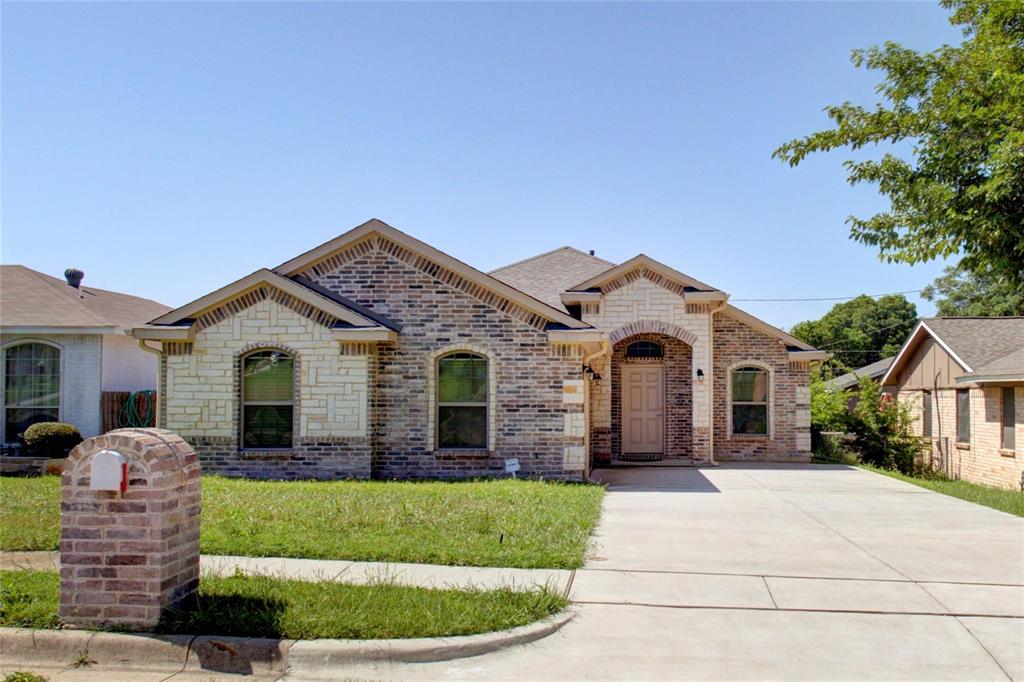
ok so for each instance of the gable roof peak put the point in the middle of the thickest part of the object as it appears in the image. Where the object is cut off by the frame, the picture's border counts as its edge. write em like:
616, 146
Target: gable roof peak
642, 260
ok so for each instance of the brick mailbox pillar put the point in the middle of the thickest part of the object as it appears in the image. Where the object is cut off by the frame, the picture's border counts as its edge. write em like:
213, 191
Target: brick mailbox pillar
127, 556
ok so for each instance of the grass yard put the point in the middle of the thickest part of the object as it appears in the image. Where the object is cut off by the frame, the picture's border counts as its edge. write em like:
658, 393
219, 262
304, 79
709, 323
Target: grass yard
526, 524
1009, 501
262, 606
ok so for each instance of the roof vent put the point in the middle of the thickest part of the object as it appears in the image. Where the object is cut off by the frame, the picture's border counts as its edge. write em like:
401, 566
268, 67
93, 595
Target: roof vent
74, 277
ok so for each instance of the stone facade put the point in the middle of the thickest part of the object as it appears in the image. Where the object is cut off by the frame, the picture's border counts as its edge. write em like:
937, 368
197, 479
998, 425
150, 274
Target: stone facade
331, 404
640, 308
639, 305
983, 459
788, 439
369, 408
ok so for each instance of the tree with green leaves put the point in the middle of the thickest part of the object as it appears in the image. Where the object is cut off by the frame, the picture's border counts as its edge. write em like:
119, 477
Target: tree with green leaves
960, 112
958, 293
860, 331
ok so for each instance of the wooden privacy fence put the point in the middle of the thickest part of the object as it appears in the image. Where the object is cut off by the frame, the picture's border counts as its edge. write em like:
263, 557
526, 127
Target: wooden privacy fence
120, 409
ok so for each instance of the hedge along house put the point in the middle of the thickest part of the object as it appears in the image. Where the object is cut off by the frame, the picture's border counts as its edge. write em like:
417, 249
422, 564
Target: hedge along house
376, 355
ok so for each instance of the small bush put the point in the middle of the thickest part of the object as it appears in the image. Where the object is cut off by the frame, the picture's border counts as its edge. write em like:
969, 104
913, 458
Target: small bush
51, 439
881, 427
23, 676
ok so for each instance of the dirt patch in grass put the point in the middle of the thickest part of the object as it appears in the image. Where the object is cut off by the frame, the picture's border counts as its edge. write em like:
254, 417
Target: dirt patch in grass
264, 606
526, 524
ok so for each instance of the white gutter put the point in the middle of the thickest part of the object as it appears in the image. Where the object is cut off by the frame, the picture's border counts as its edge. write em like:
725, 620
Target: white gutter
159, 375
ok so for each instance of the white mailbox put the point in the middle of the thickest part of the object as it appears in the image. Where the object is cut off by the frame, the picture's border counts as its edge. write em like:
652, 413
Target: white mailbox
109, 471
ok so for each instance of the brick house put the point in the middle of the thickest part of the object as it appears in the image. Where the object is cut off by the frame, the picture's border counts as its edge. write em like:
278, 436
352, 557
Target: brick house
376, 355
963, 379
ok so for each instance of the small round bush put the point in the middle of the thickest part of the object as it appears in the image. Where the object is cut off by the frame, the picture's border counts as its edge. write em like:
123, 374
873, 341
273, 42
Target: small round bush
51, 439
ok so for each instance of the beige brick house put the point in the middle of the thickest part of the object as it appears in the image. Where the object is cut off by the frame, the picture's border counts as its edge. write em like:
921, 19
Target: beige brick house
376, 355
963, 379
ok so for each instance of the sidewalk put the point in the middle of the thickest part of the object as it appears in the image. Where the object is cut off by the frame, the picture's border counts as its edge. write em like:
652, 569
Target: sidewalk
354, 572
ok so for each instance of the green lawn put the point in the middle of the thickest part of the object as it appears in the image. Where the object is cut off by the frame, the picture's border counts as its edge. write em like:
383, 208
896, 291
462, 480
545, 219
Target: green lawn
517, 523
262, 606
1009, 501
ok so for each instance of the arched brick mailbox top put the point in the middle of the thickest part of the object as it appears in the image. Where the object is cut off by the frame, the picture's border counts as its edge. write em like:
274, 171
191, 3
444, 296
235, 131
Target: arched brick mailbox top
149, 452
125, 557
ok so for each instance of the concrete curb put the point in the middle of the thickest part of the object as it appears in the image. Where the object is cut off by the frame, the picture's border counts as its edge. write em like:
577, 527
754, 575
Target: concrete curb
248, 656
310, 655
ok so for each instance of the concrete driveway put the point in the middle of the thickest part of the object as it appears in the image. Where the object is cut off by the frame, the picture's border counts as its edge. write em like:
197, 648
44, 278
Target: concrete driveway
770, 572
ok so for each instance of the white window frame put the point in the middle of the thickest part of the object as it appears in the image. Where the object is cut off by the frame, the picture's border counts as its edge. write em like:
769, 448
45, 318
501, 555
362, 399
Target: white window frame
3, 378
771, 399
432, 402
242, 402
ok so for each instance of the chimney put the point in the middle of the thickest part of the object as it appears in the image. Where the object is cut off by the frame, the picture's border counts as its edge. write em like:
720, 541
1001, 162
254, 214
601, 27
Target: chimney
73, 276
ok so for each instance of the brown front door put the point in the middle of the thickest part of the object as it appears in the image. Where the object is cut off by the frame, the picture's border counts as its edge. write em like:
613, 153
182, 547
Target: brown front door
643, 409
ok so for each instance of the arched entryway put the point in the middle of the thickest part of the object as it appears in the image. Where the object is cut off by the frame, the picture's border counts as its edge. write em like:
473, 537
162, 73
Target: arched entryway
651, 398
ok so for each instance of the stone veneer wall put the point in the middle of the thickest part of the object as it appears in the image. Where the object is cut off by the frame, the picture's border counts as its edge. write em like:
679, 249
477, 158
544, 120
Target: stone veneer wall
638, 299
533, 422
983, 460
677, 362
331, 413
789, 404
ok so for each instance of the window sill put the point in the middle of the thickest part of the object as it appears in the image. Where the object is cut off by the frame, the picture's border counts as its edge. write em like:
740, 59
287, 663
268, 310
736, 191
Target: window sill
962, 446
749, 436
267, 453
455, 453
1003, 452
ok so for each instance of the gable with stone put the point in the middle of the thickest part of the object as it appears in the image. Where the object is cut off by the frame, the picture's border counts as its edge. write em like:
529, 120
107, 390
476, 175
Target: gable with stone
376, 355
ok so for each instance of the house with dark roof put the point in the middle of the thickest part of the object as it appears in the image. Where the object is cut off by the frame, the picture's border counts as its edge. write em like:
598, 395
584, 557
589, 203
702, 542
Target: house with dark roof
63, 345
963, 378
377, 355
849, 381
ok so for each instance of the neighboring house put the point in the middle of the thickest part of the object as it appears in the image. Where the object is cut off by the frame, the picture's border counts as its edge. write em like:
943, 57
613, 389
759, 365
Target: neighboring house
64, 344
849, 381
963, 378
377, 355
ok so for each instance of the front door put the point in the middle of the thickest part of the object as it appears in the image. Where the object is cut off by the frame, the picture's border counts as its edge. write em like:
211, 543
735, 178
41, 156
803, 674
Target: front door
643, 409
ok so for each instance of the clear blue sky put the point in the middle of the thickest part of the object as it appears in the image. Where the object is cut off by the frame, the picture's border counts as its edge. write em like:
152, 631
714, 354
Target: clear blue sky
168, 149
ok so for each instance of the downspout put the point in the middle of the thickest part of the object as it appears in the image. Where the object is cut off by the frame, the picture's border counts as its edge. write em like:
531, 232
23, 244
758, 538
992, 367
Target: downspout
159, 375
587, 359
711, 379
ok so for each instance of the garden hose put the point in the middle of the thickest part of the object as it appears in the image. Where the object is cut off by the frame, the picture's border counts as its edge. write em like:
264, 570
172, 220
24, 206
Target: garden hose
131, 415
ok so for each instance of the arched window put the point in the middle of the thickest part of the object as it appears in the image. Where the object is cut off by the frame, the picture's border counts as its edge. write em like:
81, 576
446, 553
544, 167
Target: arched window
462, 401
31, 387
750, 401
644, 349
268, 399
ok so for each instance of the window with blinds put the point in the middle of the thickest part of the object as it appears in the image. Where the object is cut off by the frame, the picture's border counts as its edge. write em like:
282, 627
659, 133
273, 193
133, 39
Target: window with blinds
268, 396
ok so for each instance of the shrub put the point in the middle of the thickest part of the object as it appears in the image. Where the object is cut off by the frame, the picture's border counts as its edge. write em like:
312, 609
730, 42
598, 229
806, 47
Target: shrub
51, 439
881, 430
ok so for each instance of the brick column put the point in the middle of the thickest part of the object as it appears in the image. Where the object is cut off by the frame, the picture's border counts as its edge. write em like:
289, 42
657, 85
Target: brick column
126, 557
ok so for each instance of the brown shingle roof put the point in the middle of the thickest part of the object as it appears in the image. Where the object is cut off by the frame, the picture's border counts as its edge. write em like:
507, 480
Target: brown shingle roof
31, 299
981, 341
547, 275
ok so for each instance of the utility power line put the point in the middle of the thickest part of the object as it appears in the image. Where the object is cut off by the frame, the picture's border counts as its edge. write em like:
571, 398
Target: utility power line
834, 298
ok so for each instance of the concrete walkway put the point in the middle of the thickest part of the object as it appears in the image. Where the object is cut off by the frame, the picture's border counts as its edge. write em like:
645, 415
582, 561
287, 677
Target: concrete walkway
745, 572
354, 572
768, 572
